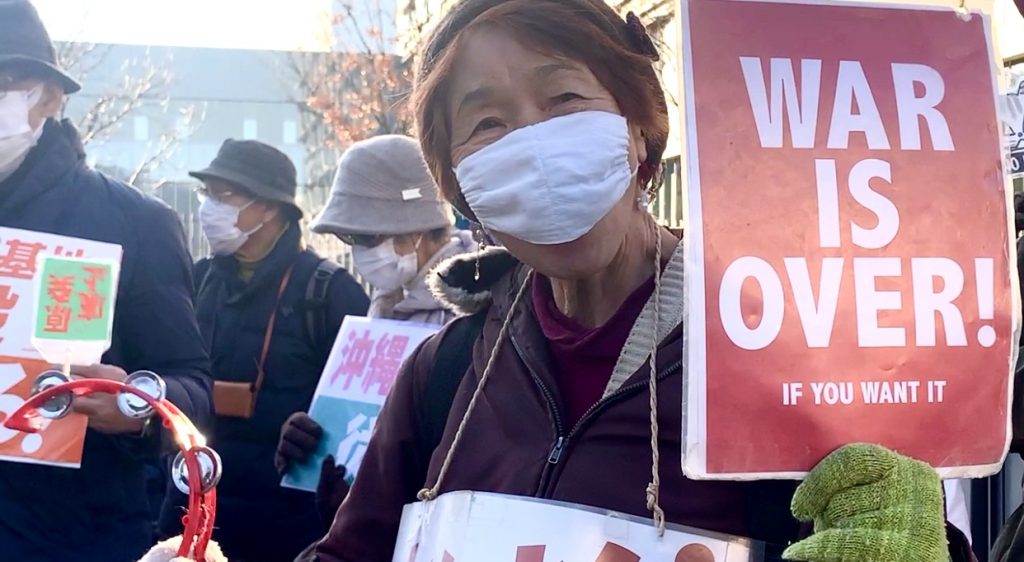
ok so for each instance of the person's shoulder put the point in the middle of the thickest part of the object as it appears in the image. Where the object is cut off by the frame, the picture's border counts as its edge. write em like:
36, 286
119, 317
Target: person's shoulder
124, 198
469, 283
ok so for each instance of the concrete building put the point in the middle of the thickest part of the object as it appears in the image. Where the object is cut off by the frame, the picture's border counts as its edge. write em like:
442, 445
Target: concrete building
205, 96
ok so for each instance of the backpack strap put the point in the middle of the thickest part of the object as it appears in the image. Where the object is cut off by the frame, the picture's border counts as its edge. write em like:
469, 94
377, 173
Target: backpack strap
453, 358
201, 274
315, 303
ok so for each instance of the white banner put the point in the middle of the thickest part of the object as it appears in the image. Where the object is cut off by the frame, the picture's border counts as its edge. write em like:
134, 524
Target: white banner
476, 526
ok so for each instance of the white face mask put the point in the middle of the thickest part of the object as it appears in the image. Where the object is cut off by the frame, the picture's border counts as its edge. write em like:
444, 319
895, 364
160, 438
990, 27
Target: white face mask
219, 222
383, 268
17, 137
552, 182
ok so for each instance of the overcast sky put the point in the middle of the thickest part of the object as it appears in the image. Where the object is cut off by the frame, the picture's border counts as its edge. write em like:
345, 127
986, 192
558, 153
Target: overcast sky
290, 24
245, 24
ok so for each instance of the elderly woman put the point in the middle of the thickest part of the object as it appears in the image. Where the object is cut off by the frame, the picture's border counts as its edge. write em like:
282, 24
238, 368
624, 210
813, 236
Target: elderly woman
544, 121
385, 205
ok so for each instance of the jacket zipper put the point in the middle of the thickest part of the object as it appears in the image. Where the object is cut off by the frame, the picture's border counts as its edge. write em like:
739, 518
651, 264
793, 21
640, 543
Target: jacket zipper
560, 436
562, 442
556, 451
562, 439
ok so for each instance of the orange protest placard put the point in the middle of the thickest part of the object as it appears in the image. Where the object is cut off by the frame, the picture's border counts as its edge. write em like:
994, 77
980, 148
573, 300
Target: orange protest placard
60, 443
21, 253
849, 236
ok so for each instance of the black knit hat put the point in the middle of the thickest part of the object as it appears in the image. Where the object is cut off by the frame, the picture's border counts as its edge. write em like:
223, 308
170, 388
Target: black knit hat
259, 168
25, 44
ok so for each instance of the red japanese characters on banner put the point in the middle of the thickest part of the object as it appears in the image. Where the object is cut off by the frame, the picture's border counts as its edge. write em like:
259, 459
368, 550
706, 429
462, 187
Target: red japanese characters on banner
850, 238
91, 301
610, 553
58, 314
376, 361
19, 260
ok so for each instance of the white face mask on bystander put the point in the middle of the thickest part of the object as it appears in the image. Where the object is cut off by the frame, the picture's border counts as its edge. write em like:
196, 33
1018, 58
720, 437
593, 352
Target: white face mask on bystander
383, 267
552, 182
219, 222
17, 137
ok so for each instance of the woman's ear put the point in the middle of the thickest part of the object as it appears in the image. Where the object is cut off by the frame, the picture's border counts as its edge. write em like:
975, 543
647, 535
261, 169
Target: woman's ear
53, 100
49, 106
639, 141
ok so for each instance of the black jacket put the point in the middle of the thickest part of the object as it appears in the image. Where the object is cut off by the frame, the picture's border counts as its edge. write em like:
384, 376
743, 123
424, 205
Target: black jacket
99, 512
257, 519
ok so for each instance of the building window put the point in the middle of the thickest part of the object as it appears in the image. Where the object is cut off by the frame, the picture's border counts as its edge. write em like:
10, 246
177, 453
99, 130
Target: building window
668, 207
141, 128
290, 132
250, 129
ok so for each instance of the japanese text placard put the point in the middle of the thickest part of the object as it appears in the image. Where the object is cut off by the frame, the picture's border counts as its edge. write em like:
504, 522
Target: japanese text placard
74, 312
359, 374
21, 255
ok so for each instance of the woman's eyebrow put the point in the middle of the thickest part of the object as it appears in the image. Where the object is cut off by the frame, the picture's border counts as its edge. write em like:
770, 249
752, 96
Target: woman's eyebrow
474, 97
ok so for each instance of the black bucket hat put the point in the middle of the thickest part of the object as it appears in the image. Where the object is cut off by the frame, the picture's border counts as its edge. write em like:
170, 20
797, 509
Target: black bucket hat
25, 44
259, 168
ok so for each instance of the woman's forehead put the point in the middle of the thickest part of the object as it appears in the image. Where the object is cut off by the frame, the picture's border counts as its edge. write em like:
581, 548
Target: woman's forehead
490, 58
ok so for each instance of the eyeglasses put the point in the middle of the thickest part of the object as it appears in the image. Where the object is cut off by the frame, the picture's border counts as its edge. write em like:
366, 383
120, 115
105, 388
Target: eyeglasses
8, 78
219, 195
364, 240
6, 85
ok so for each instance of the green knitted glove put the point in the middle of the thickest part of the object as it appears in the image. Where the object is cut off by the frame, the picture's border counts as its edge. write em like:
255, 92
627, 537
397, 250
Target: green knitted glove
870, 504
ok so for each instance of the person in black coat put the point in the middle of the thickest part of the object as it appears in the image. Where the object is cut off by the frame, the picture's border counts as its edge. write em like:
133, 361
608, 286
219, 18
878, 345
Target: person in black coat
98, 512
269, 310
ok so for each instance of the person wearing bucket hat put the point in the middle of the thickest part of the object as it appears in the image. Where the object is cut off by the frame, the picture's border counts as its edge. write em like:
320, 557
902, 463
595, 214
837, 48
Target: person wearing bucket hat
99, 511
269, 309
385, 205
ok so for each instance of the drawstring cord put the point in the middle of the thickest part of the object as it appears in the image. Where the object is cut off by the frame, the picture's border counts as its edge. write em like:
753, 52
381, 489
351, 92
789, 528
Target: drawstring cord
428, 494
654, 488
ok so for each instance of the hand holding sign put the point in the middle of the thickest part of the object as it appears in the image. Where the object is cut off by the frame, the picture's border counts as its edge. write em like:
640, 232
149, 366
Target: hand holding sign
868, 503
25, 292
358, 376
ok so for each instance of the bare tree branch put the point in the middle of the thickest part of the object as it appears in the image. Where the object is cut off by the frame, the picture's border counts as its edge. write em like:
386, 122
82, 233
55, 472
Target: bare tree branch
144, 83
355, 92
191, 117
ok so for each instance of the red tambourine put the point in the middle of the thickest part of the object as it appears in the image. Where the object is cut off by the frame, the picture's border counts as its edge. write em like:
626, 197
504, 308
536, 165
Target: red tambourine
196, 469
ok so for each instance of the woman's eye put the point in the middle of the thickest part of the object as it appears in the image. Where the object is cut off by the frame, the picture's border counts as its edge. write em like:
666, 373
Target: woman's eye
486, 124
567, 97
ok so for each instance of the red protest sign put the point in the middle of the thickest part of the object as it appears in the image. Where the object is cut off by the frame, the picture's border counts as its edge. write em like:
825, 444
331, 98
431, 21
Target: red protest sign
849, 235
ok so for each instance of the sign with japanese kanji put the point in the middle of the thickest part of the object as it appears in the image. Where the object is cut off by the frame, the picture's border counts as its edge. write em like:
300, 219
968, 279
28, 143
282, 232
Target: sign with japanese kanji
358, 376
22, 254
474, 526
850, 266
74, 312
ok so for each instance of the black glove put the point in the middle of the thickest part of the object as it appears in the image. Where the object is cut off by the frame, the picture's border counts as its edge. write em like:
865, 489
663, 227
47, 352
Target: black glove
300, 436
331, 490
